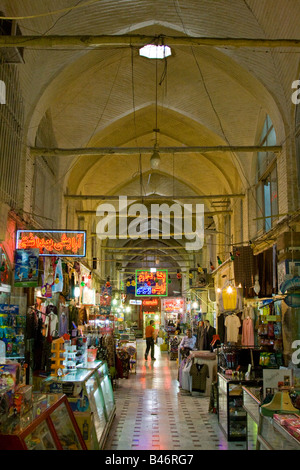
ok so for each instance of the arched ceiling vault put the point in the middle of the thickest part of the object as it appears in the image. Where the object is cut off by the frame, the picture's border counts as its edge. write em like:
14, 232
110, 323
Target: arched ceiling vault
209, 95
94, 97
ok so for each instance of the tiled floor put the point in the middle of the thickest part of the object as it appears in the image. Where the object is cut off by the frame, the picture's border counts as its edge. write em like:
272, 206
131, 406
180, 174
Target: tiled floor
153, 414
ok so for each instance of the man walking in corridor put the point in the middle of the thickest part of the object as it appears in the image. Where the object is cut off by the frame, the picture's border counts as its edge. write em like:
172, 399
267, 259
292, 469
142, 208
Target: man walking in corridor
150, 335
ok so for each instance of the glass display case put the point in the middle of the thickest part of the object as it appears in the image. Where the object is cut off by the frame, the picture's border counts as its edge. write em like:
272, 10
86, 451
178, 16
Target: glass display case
91, 398
273, 436
106, 387
251, 404
232, 416
49, 425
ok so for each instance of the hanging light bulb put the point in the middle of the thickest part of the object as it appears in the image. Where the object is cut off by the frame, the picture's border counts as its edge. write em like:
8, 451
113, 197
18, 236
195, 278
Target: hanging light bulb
155, 158
229, 290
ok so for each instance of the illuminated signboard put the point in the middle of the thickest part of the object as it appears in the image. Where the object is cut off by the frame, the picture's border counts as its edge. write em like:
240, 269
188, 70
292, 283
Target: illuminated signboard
150, 302
173, 305
68, 243
151, 284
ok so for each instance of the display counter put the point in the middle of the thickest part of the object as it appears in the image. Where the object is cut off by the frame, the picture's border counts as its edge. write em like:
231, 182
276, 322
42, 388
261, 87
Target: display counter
251, 404
273, 436
90, 395
232, 416
49, 425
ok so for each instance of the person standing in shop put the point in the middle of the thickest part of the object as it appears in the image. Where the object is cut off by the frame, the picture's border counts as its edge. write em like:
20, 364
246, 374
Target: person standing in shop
150, 337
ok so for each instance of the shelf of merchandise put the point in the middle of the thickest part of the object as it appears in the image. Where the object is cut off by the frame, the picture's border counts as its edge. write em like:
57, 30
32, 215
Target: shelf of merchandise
49, 425
12, 331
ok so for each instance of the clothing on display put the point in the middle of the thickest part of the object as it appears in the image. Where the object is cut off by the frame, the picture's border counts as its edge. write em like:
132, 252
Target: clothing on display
199, 373
205, 334
221, 326
248, 332
63, 314
232, 324
230, 301
51, 325
124, 363
174, 345
192, 368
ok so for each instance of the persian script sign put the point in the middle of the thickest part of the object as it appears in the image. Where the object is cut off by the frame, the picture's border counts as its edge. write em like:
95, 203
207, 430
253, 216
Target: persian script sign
53, 242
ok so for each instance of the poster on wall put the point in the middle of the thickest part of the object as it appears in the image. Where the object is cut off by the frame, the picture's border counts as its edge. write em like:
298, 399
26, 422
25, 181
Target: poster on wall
149, 283
26, 268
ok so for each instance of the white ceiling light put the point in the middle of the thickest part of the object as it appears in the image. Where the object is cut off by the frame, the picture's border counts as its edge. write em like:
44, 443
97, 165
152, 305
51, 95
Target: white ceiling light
151, 51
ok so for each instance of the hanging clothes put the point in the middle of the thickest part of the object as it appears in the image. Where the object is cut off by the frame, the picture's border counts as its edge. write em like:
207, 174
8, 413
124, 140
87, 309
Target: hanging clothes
181, 367
82, 316
248, 312
230, 301
51, 324
221, 326
125, 360
63, 319
58, 284
232, 323
63, 326
73, 317
248, 333
199, 374
202, 338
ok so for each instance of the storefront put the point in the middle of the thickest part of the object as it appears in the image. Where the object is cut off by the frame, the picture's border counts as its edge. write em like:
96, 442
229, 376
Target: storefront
151, 310
173, 311
69, 340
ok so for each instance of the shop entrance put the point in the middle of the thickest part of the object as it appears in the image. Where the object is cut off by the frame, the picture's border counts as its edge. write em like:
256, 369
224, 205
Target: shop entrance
151, 311
151, 316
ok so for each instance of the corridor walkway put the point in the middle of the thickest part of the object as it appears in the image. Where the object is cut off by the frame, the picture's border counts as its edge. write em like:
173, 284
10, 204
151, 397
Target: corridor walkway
153, 414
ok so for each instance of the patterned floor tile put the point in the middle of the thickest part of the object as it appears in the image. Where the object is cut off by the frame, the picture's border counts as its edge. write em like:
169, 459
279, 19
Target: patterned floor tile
153, 413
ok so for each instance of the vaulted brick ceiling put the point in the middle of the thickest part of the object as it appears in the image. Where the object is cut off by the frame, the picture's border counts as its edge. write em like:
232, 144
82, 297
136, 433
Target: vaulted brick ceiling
208, 95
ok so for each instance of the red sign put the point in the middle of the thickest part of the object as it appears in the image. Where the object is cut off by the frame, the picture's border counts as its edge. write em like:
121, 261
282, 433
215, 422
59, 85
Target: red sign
66, 243
150, 303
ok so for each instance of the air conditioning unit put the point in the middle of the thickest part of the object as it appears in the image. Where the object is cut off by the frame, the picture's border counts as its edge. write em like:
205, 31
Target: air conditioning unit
11, 55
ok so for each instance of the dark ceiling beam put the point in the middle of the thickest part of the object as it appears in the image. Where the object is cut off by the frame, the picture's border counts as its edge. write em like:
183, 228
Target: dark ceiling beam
138, 40
65, 152
150, 197
210, 213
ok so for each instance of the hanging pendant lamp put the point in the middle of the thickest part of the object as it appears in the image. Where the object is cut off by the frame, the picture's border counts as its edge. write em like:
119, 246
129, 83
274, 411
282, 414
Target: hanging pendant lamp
155, 157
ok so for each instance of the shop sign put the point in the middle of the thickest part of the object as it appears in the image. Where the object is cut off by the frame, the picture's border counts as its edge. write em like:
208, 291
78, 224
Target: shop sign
26, 268
135, 302
150, 284
68, 243
173, 305
150, 303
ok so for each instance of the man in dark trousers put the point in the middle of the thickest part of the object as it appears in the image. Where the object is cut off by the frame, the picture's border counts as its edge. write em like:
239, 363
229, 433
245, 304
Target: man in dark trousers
150, 334
210, 331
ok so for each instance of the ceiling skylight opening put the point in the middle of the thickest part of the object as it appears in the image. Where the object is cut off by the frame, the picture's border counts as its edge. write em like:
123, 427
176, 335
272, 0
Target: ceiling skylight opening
151, 51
